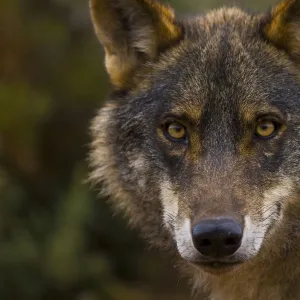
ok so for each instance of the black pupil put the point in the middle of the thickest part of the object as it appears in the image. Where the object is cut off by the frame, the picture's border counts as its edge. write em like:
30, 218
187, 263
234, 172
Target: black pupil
265, 126
177, 128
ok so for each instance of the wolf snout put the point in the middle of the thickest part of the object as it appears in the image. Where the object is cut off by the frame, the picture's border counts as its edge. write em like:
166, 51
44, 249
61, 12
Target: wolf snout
218, 237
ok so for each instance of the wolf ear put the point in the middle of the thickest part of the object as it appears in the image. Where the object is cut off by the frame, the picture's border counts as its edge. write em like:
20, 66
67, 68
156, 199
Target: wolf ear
132, 33
283, 30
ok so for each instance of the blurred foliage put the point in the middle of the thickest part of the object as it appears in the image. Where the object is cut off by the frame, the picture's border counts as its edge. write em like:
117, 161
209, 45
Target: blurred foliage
58, 241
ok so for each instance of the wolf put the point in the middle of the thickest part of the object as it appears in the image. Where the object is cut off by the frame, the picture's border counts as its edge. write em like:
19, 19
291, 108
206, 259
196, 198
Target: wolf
198, 144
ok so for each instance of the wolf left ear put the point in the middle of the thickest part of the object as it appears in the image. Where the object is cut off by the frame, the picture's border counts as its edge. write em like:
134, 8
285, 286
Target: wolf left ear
132, 33
283, 29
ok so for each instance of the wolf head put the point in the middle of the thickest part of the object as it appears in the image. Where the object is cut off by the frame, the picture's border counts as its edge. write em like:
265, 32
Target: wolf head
199, 144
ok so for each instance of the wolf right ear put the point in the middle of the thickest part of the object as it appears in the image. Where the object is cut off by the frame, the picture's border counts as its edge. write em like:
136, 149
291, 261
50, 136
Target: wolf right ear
132, 33
283, 29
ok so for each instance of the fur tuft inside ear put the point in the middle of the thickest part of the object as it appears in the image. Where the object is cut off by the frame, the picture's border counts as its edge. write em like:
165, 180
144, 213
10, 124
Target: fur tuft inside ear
132, 33
283, 30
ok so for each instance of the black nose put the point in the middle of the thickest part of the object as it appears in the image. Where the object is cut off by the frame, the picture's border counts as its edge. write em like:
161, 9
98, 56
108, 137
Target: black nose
217, 238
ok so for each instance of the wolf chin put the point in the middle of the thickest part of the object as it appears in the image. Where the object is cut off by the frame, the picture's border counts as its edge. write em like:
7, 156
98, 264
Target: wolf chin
199, 142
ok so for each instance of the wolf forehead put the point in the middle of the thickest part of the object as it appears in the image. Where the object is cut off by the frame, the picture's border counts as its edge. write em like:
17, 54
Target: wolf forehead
223, 58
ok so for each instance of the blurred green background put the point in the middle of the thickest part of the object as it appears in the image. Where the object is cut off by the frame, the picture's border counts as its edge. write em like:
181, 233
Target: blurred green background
57, 239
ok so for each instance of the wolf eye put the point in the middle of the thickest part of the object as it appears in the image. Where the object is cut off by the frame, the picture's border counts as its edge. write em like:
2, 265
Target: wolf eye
266, 128
176, 131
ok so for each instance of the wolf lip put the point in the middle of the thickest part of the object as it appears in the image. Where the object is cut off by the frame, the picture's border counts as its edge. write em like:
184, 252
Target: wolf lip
218, 265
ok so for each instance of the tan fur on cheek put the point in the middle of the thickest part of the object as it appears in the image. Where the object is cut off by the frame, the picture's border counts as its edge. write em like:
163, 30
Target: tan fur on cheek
252, 237
184, 240
256, 226
169, 203
276, 195
140, 166
179, 225
104, 169
142, 209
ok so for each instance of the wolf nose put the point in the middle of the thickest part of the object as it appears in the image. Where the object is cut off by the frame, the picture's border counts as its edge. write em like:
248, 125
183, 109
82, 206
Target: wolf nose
217, 238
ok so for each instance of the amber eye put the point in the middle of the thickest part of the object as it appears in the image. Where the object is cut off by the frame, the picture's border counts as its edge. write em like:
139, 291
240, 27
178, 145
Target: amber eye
266, 128
176, 131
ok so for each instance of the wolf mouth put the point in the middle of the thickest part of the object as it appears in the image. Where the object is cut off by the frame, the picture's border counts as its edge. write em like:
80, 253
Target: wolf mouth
218, 265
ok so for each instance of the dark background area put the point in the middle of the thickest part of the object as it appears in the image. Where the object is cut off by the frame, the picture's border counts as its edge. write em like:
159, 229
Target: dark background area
58, 240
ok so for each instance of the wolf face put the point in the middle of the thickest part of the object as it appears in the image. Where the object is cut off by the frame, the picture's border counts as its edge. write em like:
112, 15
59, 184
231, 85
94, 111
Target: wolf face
199, 144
